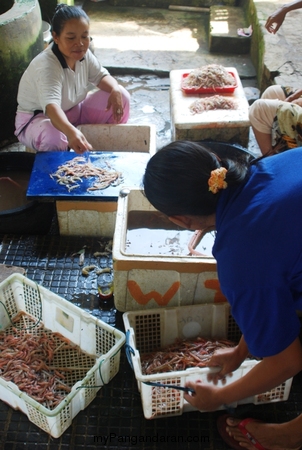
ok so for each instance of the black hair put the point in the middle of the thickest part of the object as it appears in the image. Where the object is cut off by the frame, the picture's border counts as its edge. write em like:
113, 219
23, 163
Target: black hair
176, 178
63, 13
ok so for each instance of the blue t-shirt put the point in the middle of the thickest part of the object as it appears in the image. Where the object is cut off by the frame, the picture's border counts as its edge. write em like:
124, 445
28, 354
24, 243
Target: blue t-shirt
258, 249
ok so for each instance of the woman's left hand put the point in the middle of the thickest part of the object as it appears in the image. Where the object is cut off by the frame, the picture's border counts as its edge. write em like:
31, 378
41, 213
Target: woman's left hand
295, 97
115, 102
205, 396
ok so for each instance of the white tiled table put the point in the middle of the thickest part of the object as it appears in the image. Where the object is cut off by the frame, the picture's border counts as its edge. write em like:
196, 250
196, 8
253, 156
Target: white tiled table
218, 125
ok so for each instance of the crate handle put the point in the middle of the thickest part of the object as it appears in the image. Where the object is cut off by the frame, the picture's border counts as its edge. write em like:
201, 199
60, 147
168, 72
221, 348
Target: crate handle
171, 386
188, 390
129, 350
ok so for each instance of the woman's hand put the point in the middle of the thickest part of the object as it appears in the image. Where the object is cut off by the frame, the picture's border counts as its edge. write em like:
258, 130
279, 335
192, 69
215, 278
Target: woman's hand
228, 360
209, 397
296, 97
264, 376
115, 102
275, 20
205, 397
77, 141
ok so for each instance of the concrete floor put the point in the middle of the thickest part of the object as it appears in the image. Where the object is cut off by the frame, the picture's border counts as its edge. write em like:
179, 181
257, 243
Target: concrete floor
139, 46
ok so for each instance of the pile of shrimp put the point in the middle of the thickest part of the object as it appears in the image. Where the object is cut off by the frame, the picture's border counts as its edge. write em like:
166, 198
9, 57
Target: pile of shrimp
211, 76
72, 172
25, 359
182, 355
212, 103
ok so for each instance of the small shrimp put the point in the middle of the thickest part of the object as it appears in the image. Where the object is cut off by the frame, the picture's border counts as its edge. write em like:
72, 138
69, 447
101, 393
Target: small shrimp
75, 178
105, 270
96, 254
71, 188
87, 269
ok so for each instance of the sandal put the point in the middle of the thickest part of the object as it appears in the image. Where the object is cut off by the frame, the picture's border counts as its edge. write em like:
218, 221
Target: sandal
222, 424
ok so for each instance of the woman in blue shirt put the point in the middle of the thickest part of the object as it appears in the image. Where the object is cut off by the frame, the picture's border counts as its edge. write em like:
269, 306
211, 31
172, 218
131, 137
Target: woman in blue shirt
256, 211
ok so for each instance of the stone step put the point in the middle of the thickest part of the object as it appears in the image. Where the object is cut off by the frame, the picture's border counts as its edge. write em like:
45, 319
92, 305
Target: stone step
223, 37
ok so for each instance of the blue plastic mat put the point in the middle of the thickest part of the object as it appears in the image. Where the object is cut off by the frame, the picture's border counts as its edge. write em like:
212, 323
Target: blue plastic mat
45, 188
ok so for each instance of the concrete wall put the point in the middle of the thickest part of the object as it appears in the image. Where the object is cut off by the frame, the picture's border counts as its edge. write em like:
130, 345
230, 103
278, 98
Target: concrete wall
166, 3
257, 46
21, 39
48, 9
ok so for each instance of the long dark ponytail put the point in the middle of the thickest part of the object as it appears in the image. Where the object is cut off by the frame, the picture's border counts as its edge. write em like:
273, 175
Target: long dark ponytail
176, 178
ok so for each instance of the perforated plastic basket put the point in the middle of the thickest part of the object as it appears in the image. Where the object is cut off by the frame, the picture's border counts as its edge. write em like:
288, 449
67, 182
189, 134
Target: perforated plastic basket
151, 330
93, 362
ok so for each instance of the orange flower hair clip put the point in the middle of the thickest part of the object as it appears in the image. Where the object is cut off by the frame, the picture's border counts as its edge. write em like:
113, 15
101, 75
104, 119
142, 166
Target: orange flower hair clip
216, 180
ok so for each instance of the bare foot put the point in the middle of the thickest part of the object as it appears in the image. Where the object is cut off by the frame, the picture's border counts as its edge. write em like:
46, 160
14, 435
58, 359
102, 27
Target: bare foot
285, 436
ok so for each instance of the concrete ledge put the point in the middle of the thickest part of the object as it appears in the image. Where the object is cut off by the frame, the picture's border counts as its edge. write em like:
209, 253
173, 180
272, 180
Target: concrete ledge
278, 58
223, 37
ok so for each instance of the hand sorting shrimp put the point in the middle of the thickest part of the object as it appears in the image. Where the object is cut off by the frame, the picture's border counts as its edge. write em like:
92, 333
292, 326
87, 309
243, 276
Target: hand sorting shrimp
182, 354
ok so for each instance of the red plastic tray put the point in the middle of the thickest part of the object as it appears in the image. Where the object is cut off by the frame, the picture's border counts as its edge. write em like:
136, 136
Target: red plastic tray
201, 90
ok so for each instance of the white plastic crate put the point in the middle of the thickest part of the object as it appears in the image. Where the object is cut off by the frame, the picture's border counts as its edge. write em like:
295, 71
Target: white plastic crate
147, 331
99, 345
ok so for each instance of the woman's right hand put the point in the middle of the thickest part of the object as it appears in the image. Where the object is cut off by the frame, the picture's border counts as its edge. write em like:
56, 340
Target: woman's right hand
275, 21
228, 359
76, 139
78, 142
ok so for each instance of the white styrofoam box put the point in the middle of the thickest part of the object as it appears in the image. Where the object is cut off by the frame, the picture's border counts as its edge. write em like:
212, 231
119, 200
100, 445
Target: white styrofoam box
147, 331
100, 342
143, 281
84, 218
122, 137
217, 125
90, 218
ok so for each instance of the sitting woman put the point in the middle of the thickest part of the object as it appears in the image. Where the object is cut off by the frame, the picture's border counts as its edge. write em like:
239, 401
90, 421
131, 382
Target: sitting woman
54, 98
276, 119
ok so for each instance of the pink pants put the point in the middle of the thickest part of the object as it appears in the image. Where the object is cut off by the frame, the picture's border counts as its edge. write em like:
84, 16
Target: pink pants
42, 136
